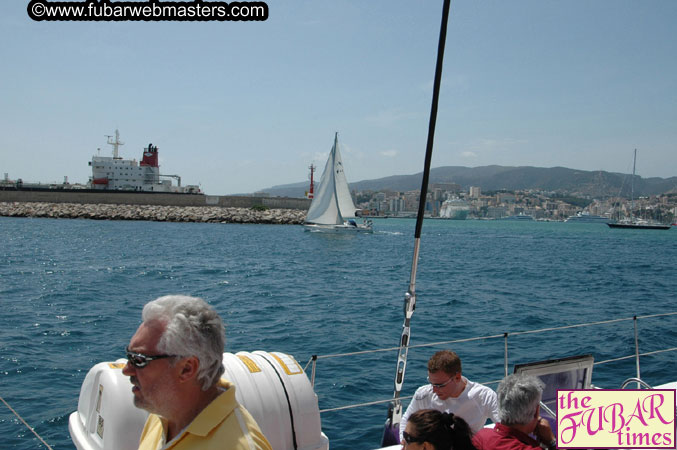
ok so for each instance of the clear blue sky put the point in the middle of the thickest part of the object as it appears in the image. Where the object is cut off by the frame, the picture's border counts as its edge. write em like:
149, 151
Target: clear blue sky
241, 106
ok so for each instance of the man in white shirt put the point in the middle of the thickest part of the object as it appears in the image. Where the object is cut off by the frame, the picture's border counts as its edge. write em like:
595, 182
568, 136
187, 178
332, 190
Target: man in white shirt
449, 391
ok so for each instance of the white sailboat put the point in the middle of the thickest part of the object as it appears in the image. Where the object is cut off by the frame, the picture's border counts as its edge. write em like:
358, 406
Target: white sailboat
332, 209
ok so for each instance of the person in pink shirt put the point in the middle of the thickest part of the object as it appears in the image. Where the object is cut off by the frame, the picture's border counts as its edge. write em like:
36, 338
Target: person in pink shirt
519, 398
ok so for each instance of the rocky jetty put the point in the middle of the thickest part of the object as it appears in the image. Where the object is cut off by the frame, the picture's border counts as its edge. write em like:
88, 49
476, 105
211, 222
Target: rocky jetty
209, 214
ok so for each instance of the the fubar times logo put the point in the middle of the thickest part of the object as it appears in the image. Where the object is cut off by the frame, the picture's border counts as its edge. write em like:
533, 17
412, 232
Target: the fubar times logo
600, 418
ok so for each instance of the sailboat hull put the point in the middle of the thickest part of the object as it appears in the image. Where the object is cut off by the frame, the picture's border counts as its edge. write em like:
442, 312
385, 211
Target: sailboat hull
345, 228
633, 222
639, 226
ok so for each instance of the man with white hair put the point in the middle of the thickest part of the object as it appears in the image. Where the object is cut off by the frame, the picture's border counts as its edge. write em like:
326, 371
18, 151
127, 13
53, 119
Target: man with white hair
175, 366
519, 398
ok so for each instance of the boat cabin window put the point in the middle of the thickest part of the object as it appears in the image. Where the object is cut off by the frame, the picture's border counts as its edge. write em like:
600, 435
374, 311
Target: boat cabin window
574, 372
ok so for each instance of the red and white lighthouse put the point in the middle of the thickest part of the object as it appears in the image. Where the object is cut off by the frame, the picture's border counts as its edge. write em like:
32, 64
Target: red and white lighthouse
311, 193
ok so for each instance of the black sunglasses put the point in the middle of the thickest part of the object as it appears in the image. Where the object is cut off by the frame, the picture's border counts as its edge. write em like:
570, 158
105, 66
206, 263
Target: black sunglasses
441, 385
409, 439
139, 360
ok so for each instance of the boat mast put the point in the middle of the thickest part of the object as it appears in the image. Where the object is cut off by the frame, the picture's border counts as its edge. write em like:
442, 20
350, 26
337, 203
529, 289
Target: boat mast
632, 187
333, 165
115, 143
392, 425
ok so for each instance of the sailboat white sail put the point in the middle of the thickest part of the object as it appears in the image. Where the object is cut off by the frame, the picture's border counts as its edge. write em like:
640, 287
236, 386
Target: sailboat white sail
332, 208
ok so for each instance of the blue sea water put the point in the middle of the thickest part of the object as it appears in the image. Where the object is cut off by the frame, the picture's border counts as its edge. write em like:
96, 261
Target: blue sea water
71, 293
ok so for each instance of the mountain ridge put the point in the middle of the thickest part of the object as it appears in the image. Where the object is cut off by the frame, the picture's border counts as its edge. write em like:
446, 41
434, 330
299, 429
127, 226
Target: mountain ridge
597, 183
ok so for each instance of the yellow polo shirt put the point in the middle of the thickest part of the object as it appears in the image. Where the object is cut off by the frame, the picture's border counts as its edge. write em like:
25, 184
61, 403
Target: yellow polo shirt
224, 425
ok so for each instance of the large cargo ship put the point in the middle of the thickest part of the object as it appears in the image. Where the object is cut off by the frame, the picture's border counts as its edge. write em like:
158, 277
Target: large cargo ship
118, 174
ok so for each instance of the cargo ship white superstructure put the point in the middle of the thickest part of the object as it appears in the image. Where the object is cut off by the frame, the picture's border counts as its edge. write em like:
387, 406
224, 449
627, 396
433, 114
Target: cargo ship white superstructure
116, 174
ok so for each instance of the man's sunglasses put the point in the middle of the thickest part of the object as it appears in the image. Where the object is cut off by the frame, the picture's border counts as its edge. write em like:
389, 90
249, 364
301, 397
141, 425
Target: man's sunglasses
139, 360
441, 385
409, 439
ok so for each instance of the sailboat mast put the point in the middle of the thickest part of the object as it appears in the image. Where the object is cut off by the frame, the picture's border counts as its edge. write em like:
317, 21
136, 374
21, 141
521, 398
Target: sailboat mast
632, 184
333, 165
392, 425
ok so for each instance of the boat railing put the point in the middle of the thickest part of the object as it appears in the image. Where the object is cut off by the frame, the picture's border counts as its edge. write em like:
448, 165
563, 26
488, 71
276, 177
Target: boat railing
30, 428
634, 380
313, 361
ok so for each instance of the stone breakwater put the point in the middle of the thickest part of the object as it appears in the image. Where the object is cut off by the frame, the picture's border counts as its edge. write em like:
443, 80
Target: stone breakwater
208, 214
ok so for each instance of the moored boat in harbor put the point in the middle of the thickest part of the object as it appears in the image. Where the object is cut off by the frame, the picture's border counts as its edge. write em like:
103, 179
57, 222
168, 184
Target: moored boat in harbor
586, 217
638, 224
633, 222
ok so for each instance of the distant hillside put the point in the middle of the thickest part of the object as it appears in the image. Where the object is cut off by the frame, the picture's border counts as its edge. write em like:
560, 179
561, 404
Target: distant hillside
491, 178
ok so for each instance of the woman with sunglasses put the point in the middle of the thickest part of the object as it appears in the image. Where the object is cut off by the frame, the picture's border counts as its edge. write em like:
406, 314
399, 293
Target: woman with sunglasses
429, 429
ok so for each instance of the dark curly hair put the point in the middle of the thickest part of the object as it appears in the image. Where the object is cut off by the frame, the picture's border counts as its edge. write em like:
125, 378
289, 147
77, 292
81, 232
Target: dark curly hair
444, 431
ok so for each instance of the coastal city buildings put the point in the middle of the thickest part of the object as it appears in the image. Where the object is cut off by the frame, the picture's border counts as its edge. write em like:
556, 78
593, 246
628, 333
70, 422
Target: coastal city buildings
446, 200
